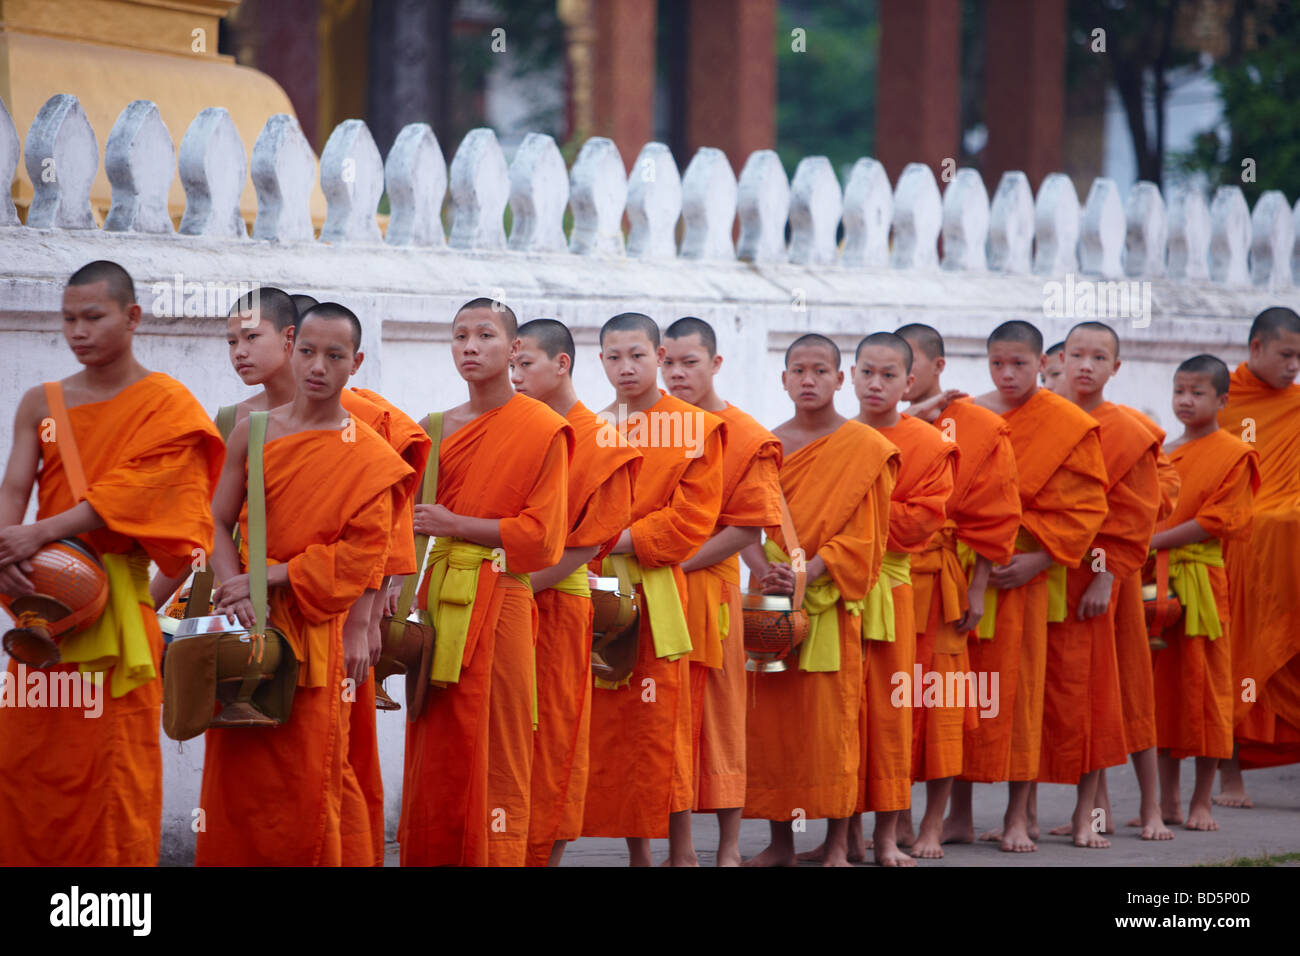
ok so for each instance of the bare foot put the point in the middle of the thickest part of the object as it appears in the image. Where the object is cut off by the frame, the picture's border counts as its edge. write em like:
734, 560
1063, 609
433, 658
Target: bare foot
892, 856
927, 845
1084, 837
1233, 798
683, 860
991, 836
1065, 829
1198, 818
1154, 829
772, 857
954, 832
858, 847
812, 856
836, 859
1016, 839
1173, 819
903, 834
728, 858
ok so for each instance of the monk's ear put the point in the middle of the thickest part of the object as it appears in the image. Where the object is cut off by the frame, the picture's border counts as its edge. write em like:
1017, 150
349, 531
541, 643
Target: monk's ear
1042, 363
133, 314
939, 365
357, 358
839, 379
1223, 401
659, 355
289, 332
1116, 368
717, 363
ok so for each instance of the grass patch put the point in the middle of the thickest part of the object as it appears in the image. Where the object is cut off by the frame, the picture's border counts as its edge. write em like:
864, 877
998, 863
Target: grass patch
1266, 860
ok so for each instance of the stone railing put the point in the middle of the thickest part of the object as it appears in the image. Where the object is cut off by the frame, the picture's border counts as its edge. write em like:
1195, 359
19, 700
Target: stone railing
1175, 278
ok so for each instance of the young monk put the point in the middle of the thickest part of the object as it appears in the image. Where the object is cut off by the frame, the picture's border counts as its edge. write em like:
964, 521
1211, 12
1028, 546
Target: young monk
882, 373
601, 476
951, 575
1193, 672
750, 501
73, 790
641, 773
1061, 478
1083, 716
1264, 410
276, 797
804, 750
1053, 368
501, 514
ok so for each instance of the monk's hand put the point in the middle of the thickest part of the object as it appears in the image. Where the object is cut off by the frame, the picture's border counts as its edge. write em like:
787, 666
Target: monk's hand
1020, 570
241, 610
929, 409
376, 644
391, 599
14, 580
971, 619
436, 521
1096, 597
356, 654
19, 542
778, 580
232, 591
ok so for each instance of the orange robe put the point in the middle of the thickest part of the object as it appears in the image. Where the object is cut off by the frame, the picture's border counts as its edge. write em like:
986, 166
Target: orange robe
984, 514
1264, 575
751, 476
469, 755
1193, 675
641, 733
88, 792
804, 751
1061, 478
1083, 716
276, 797
599, 508
363, 827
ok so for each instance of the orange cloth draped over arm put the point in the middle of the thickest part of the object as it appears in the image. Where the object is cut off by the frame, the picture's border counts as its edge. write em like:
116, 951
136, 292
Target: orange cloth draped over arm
88, 792
467, 775
803, 742
412, 442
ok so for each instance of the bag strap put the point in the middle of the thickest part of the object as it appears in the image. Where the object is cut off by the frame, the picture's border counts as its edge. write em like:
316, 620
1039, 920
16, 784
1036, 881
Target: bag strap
226, 420
256, 551
625, 591
200, 597
428, 496
792, 545
67, 448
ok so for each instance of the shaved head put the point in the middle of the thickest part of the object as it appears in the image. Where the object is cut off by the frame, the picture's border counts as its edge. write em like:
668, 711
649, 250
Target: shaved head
1097, 327
552, 336
120, 286
332, 310
889, 340
1017, 331
1055, 349
500, 308
271, 303
923, 338
302, 302
812, 338
631, 322
690, 325
1210, 365
1267, 326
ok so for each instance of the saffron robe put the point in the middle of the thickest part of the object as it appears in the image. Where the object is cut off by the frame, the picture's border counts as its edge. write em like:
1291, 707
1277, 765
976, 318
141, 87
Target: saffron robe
751, 475
275, 797
88, 792
983, 512
1264, 575
1083, 717
917, 511
1193, 674
467, 772
1061, 478
804, 751
640, 744
601, 476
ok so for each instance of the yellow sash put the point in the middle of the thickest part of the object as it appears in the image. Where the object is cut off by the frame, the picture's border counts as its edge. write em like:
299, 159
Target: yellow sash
454, 567
820, 651
1026, 542
664, 604
878, 616
117, 639
575, 584
1189, 576
984, 629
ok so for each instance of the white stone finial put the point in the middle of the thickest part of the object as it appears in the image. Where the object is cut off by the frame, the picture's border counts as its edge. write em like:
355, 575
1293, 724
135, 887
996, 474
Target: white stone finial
1056, 226
654, 203
965, 223
1011, 225
1229, 237
283, 171
597, 196
1101, 234
415, 175
918, 218
352, 179
9, 150
709, 194
1272, 241
1189, 235
763, 203
480, 185
62, 156
140, 161
868, 212
539, 191
816, 204
1146, 236
213, 168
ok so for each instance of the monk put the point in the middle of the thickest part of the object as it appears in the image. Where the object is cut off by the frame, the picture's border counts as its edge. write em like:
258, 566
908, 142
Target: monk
641, 773
1061, 478
804, 753
601, 476
1053, 368
950, 576
73, 790
1193, 671
750, 501
501, 514
276, 797
1264, 410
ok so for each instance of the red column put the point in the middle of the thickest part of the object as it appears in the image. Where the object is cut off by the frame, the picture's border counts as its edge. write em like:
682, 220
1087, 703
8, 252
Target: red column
731, 77
1025, 89
918, 107
625, 74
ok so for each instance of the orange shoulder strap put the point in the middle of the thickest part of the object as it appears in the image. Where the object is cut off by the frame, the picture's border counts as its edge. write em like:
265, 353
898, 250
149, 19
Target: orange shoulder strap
66, 440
